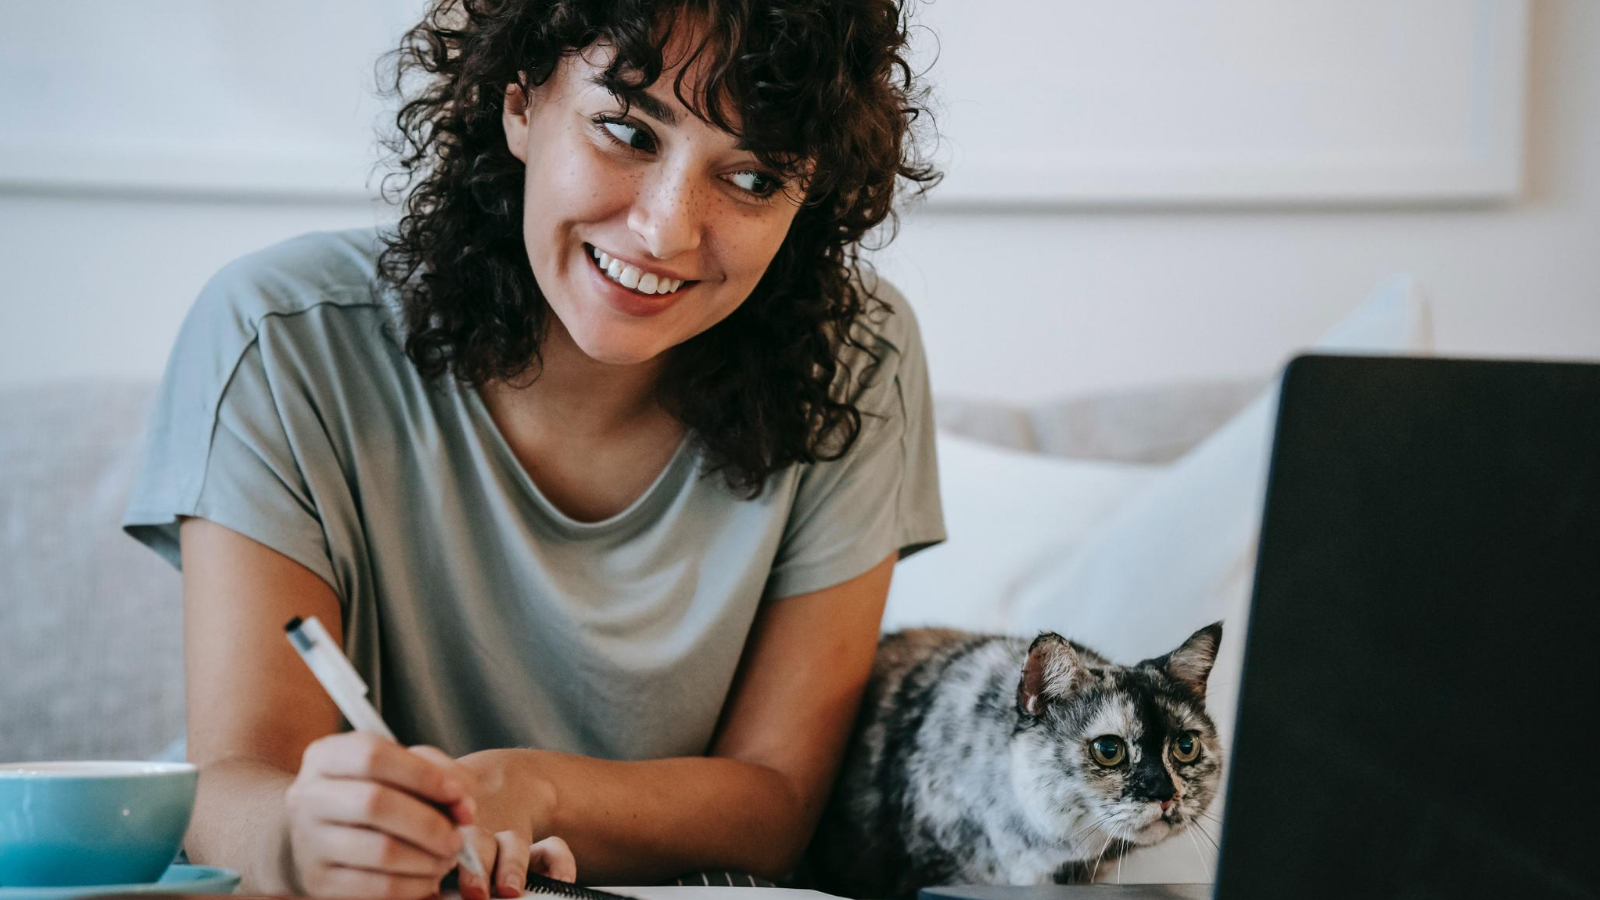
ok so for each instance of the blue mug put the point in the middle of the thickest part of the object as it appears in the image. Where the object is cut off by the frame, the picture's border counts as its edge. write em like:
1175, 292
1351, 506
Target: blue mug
92, 823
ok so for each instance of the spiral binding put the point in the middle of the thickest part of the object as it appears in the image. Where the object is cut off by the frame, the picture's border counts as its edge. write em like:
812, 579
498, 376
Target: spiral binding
540, 884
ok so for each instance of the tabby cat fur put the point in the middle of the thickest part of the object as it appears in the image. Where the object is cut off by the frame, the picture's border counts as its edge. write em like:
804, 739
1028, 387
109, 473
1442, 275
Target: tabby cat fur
984, 759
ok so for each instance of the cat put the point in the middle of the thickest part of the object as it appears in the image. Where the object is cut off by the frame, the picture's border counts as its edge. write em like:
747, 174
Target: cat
983, 759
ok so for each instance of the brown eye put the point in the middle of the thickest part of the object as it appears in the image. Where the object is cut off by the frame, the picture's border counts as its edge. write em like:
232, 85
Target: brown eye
759, 184
1186, 749
631, 136
1108, 750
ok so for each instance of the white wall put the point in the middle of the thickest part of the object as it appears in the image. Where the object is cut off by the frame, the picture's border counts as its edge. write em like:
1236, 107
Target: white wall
1030, 304
1014, 303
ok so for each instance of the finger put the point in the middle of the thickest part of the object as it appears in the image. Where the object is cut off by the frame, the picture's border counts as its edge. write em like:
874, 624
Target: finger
552, 858
345, 881
474, 887
465, 810
511, 866
449, 765
366, 848
370, 757
369, 804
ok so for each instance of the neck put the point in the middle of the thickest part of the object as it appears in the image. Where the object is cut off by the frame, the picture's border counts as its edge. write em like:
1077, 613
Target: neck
578, 396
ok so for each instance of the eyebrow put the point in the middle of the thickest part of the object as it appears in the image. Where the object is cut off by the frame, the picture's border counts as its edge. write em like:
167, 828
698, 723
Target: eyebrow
652, 107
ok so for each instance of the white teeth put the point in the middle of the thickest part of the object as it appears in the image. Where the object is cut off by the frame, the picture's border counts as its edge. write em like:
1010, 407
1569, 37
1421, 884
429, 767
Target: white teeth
632, 277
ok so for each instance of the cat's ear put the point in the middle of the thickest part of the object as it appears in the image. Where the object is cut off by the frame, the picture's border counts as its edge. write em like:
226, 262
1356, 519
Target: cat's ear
1052, 670
1190, 664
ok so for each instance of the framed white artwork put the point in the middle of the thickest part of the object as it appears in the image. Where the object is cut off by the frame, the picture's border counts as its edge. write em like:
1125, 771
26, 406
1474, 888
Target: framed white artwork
1087, 103
196, 97
1047, 103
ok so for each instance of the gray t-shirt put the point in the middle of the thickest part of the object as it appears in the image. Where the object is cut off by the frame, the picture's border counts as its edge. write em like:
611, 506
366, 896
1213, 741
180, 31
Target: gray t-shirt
479, 614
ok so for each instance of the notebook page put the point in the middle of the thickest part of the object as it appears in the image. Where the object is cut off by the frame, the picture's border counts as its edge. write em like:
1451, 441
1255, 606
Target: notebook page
675, 892
714, 892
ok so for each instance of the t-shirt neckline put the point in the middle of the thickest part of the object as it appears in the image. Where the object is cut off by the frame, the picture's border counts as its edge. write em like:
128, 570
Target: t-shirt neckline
661, 487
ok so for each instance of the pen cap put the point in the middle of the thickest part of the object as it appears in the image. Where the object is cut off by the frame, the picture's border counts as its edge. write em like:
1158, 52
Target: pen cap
336, 675
328, 660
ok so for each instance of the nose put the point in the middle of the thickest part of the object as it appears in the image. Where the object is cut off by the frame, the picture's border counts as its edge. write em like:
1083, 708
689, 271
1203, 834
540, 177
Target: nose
1151, 782
1166, 805
667, 213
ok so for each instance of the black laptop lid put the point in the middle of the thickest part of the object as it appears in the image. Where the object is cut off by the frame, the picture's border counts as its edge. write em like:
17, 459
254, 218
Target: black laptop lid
1422, 669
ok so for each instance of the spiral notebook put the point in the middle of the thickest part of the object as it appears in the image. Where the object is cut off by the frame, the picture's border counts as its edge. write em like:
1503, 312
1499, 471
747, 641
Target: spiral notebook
541, 888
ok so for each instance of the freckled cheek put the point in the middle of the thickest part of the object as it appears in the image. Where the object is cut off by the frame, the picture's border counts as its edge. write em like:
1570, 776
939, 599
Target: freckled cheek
747, 247
605, 193
578, 189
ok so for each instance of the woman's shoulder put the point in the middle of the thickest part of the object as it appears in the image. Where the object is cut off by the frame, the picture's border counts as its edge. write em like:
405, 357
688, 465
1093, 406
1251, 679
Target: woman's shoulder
299, 289
889, 320
886, 347
299, 273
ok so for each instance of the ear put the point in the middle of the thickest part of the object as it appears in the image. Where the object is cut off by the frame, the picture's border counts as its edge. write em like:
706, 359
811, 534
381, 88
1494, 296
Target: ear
514, 119
1051, 671
1190, 664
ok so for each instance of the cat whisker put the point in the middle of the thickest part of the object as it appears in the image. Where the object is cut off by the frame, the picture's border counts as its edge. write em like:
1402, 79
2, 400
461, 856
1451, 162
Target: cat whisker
1035, 855
1106, 820
1125, 830
1200, 855
1099, 820
1069, 839
1098, 857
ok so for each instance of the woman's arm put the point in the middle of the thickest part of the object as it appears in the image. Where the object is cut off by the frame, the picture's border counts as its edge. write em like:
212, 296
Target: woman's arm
259, 730
240, 691
254, 710
752, 805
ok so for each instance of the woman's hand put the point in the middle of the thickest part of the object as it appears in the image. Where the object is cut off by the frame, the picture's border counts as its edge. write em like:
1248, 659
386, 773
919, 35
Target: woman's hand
508, 857
369, 818
513, 814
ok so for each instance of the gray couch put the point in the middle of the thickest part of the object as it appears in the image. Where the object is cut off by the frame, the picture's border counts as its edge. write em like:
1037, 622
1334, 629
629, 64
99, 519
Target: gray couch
91, 622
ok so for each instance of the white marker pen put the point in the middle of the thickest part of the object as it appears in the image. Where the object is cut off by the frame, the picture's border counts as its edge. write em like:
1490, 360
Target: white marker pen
349, 693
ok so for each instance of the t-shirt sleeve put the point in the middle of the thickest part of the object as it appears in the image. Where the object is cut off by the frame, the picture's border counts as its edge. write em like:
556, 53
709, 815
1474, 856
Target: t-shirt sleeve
227, 438
882, 495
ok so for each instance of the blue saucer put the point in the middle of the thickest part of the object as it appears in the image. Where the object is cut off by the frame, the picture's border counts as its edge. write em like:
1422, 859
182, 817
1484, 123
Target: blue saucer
178, 879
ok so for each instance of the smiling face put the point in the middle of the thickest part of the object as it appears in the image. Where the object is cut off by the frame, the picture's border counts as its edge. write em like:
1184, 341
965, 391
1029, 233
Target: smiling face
649, 191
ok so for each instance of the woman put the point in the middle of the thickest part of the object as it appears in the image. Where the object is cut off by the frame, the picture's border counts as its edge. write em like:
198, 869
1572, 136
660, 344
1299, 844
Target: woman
597, 464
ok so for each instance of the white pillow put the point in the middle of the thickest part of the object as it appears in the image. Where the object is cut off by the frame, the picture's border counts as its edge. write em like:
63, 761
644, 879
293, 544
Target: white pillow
1006, 513
1181, 554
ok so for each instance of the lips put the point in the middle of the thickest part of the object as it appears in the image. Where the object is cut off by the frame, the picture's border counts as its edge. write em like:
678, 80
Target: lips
636, 277
624, 300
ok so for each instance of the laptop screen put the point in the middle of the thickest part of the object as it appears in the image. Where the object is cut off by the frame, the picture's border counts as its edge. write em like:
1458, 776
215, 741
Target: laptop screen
1422, 666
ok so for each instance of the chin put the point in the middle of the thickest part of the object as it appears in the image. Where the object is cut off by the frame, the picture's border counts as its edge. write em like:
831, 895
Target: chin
1155, 832
620, 356
616, 347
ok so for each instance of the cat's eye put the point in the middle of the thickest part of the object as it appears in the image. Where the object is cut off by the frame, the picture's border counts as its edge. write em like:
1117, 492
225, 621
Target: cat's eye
1108, 750
1186, 749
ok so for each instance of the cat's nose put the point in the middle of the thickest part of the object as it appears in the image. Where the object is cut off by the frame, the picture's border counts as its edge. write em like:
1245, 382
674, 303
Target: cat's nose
1166, 805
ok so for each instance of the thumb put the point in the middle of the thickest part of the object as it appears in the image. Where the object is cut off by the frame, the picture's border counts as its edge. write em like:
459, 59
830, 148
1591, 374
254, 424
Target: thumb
463, 811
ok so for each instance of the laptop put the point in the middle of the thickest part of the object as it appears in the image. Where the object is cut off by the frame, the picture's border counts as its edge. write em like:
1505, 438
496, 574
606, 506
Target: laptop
1419, 714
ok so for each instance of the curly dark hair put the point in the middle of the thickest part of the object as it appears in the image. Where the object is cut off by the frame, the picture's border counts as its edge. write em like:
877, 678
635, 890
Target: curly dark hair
819, 81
